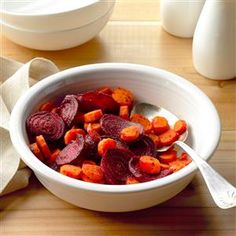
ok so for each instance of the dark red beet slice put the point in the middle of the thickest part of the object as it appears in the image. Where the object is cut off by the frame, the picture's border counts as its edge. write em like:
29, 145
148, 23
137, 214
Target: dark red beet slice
112, 125
45, 123
68, 109
143, 147
143, 177
115, 165
72, 152
90, 101
90, 148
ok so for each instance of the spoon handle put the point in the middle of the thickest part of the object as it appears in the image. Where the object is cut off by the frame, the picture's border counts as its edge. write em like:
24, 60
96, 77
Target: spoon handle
223, 193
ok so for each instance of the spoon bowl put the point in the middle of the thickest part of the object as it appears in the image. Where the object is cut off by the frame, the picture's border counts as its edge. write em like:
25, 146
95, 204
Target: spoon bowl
222, 192
150, 111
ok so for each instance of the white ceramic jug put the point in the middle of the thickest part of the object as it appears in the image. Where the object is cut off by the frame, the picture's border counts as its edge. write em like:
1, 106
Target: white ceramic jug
179, 17
214, 42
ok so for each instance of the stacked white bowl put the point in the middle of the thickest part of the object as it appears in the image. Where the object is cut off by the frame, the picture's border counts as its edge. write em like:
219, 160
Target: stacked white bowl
54, 25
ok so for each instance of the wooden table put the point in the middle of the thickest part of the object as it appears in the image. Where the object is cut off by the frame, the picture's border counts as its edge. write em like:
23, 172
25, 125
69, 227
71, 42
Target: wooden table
134, 34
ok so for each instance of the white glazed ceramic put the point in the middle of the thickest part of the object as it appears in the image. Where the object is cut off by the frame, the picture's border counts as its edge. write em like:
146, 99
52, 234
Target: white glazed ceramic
55, 40
149, 85
51, 15
179, 17
214, 42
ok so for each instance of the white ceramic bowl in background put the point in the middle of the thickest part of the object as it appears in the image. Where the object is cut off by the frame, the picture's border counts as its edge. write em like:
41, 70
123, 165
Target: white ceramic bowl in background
58, 40
149, 85
51, 15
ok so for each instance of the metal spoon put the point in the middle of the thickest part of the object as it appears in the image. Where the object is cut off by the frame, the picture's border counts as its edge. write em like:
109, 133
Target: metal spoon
222, 192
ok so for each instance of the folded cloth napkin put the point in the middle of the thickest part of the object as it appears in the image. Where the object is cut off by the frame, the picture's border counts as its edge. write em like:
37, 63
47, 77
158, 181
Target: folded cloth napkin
15, 79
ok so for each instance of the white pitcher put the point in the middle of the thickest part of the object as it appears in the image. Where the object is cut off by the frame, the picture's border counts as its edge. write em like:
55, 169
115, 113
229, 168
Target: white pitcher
214, 42
179, 17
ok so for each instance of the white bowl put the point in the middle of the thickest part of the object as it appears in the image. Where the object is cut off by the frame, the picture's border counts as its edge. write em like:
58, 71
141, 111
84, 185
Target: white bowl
48, 15
149, 85
58, 40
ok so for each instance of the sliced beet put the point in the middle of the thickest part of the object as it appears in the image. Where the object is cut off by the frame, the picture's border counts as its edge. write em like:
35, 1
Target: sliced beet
90, 101
144, 177
45, 123
90, 148
143, 147
68, 109
112, 125
72, 152
115, 165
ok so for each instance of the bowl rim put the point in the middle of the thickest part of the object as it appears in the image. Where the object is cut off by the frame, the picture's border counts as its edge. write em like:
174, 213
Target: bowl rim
21, 14
41, 32
38, 167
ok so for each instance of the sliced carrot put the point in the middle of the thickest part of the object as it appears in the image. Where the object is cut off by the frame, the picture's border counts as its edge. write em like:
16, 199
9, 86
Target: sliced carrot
180, 126
155, 139
149, 165
71, 134
168, 156
79, 118
138, 118
43, 146
124, 97
71, 171
93, 133
54, 155
176, 165
93, 116
35, 149
168, 137
130, 133
184, 156
94, 126
106, 144
124, 112
47, 106
93, 172
105, 90
164, 166
89, 162
131, 180
160, 124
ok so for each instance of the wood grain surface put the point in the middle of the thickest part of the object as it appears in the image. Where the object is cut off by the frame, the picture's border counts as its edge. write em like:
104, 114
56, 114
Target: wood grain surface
134, 34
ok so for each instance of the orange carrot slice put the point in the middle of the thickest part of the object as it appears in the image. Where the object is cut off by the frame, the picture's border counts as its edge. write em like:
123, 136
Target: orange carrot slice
131, 180
160, 124
35, 149
130, 133
93, 172
106, 144
155, 139
43, 146
71, 171
93, 116
105, 90
54, 155
164, 166
149, 165
138, 118
176, 165
123, 97
168, 156
124, 112
47, 106
71, 134
93, 126
168, 137
180, 126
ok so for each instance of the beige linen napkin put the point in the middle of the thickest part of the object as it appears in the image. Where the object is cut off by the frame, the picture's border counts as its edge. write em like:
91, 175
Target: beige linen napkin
15, 79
